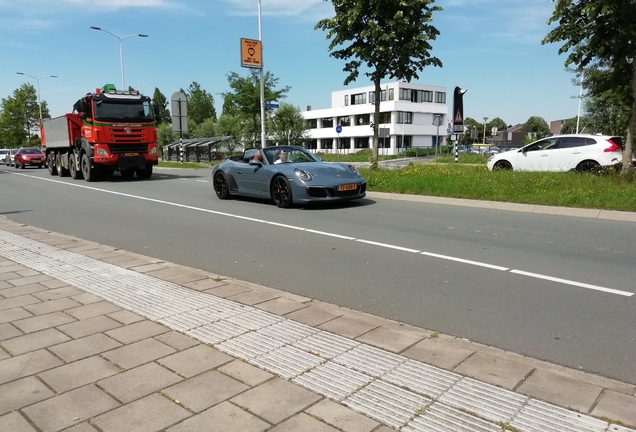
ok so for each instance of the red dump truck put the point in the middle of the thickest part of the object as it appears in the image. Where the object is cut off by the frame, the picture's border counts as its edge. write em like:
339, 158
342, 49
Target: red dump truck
109, 130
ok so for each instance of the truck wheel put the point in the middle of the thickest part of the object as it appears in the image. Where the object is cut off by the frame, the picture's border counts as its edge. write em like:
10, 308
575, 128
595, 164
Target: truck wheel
50, 162
127, 173
61, 171
90, 174
72, 168
145, 173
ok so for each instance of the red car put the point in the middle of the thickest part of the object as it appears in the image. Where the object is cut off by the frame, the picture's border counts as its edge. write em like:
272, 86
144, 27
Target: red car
29, 156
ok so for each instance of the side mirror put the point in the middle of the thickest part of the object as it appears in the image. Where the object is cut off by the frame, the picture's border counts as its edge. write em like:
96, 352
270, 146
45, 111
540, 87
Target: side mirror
83, 116
255, 162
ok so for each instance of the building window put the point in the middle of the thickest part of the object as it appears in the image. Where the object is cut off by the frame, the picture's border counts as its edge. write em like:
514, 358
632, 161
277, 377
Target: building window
327, 122
359, 99
311, 144
326, 143
391, 97
371, 97
384, 142
404, 117
440, 97
344, 143
346, 100
344, 121
405, 94
362, 143
363, 119
424, 96
407, 139
312, 123
382, 96
385, 118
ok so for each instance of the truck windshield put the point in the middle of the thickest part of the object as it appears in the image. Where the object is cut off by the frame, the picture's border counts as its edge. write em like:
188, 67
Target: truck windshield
128, 111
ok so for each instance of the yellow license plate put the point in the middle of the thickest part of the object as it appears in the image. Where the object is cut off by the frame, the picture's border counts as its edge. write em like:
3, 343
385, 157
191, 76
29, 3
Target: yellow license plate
36, 160
131, 154
347, 187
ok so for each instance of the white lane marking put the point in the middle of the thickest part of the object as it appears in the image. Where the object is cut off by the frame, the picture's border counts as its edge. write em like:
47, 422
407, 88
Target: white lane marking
569, 282
430, 254
204, 181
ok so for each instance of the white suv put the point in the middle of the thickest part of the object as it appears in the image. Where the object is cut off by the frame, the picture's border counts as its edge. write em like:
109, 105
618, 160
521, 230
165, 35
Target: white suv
4, 154
562, 153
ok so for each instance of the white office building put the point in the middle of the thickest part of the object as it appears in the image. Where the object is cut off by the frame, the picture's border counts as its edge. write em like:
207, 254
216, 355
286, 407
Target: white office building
406, 119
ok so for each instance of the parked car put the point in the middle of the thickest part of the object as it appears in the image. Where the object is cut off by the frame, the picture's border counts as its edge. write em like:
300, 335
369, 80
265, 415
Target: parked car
4, 153
29, 157
294, 177
581, 152
8, 160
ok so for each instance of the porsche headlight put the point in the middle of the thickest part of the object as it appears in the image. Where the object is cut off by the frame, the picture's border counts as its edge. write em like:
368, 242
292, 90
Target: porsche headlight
354, 169
302, 174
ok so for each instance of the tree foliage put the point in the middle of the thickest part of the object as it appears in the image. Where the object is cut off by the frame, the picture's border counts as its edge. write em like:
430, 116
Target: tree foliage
287, 125
391, 38
19, 116
498, 123
536, 125
200, 104
601, 33
160, 107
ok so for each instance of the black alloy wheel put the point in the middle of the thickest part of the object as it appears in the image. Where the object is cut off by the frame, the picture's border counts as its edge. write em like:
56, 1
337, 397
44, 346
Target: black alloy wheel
221, 188
281, 192
502, 166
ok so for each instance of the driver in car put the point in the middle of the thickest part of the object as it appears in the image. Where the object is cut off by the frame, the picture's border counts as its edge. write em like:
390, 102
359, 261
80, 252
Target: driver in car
282, 157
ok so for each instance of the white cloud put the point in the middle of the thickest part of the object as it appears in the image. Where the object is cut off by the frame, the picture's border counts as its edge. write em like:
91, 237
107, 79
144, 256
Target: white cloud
281, 7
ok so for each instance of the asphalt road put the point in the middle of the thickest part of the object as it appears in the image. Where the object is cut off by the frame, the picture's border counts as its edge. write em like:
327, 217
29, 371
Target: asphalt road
550, 287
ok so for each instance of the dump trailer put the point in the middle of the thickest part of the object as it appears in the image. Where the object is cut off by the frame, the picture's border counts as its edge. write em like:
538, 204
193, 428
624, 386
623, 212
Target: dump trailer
109, 130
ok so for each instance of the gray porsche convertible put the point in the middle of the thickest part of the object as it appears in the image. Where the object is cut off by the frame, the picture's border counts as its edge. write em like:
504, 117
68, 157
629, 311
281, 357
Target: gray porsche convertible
287, 175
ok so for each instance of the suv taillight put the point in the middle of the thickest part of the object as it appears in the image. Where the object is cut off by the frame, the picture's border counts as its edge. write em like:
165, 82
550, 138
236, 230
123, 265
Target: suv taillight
614, 147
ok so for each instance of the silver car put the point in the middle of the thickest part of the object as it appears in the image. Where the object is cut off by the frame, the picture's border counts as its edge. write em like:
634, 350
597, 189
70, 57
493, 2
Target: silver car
8, 159
4, 153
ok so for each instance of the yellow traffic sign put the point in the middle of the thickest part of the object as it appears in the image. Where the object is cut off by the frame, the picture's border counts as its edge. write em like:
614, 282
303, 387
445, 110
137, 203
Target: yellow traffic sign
251, 53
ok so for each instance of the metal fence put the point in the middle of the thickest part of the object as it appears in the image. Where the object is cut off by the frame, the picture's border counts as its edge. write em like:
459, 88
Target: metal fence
195, 150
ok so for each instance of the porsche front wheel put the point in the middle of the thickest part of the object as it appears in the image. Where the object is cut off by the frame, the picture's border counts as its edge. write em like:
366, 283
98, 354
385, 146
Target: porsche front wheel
221, 187
281, 192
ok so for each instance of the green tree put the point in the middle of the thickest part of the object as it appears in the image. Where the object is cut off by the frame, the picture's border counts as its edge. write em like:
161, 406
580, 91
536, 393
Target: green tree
200, 104
569, 126
498, 123
206, 129
467, 137
165, 135
536, 125
232, 126
601, 32
391, 38
245, 98
160, 107
19, 116
288, 125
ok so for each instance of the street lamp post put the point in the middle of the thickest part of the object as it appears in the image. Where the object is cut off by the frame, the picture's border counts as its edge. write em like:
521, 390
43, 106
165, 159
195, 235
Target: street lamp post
485, 122
38, 81
121, 50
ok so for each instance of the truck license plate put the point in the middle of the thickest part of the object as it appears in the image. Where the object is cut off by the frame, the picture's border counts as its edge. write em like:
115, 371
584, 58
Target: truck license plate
131, 154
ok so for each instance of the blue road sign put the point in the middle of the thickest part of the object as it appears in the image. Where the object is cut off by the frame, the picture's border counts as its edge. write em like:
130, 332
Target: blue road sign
338, 129
271, 105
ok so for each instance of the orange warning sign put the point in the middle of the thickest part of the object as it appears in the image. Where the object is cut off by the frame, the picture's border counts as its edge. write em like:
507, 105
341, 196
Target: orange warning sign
251, 53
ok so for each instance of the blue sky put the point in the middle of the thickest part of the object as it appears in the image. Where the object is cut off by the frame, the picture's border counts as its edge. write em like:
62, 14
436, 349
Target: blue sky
490, 47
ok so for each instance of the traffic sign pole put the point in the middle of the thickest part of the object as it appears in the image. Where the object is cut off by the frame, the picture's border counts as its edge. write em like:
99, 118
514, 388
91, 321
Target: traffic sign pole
338, 130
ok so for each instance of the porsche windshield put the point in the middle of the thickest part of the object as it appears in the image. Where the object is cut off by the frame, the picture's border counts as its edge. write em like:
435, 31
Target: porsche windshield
126, 111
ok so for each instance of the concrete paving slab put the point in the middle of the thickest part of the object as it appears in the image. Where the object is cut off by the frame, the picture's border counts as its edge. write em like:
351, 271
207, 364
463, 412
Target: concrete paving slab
281, 306
46, 307
54, 284
184, 278
438, 353
195, 360
92, 310
560, 390
67, 409
167, 272
618, 407
8, 331
78, 374
204, 284
20, 281
148, 268
82, 427
150, 414
222, 418
8, 275
79, 329
253, 297
303, 422
139, 382
177, 340
12, 268
131, 263
390, 339
29, 272
313, 315
342, 417
27, 364
137, 331
349, 326
14, 422
245, 372
41, 322
86, 298
125, 317
205, 390
494, 370
276, 400
138, 353
84, 347
5, 284
3, 354
14, 314
22, 290
57, 292
227, 290
22, 392
15, 302
34, 341
120, 258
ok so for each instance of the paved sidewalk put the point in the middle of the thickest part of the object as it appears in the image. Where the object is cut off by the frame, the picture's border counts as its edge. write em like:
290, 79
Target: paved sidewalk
98, 339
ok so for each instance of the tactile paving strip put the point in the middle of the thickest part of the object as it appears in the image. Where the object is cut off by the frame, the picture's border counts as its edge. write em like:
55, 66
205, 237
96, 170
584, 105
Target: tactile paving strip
216, 332
441, 418
370, 360
387, 403
254, 319
287, 361
326, 345
288, 331
249, 345
487, 401
333, 381
421, 378
539, 416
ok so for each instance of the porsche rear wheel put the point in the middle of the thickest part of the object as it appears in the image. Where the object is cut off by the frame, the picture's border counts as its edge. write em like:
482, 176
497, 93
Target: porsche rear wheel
221, 188
281, 192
